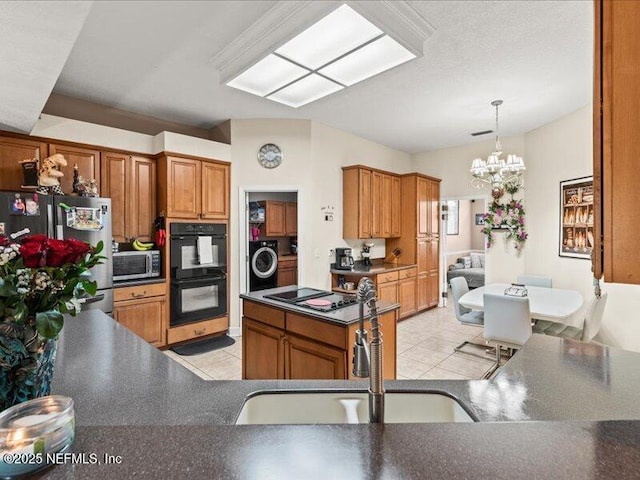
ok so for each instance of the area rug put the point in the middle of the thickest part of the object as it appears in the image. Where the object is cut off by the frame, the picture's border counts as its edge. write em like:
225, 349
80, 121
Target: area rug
204, 346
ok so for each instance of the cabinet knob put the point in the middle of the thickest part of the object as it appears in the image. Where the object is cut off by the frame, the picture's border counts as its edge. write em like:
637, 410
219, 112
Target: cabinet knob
200, 331
138, 295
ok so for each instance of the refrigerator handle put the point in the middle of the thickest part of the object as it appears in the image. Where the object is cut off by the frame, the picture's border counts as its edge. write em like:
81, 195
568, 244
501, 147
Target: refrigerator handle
59, 232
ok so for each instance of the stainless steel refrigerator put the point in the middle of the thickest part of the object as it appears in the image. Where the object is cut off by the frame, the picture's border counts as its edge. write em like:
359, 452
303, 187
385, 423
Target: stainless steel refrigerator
86, 219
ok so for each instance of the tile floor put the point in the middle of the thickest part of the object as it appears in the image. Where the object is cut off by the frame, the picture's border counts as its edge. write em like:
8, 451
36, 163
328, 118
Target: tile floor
425, 350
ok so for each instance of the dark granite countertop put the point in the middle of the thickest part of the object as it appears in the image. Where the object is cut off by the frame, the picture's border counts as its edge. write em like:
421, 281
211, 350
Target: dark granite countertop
342, 316
375, 269
141, 281
127, 393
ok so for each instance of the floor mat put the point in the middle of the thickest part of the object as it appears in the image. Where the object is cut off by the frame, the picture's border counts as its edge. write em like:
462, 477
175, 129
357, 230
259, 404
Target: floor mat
204, 346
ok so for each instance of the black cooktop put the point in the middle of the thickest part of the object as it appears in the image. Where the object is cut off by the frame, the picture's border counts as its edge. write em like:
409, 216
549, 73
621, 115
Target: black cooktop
314, 299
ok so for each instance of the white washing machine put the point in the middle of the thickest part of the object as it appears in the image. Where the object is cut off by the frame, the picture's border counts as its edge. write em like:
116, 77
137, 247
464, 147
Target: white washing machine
263, 264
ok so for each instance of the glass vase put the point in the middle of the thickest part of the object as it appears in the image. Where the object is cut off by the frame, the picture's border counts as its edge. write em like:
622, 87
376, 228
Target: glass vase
27, 371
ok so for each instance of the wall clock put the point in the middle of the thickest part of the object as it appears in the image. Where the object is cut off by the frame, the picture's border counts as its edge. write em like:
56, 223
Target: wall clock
270, 155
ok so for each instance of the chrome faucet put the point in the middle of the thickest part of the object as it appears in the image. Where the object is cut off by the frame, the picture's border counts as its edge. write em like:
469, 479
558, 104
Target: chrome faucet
367, 360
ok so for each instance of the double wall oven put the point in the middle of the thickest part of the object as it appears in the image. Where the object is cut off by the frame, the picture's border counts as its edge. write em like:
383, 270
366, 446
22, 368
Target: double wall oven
198, 272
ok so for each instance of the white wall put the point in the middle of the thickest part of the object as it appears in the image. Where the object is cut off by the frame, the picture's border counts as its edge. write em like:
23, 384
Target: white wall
313, 157
477, 237
562, 150
452, 166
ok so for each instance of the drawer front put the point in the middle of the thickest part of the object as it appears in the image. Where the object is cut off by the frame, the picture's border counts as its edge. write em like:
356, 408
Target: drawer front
264, 314
387, 277
198, 329
317, 330
287, 263
139, 291
408, 273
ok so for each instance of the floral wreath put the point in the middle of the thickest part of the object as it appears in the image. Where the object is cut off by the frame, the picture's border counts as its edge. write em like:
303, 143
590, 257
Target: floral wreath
509, 215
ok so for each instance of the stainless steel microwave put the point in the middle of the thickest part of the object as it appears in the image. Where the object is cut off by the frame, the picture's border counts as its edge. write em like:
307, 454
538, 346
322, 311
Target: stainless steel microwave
135, 265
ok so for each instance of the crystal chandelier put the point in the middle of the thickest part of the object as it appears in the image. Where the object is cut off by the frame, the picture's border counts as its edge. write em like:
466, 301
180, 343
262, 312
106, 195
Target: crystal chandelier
496, 171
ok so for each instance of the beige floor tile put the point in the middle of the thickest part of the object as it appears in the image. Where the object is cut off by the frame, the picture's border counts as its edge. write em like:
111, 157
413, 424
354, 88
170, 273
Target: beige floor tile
440, 345
208, 358
411, 338
409, 368
402, 347
227, 369
453, 336
439, 374
464, 366
424, 354
236, 348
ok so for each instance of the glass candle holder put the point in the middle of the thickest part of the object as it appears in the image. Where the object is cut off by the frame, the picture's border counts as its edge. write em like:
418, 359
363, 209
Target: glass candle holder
32, 430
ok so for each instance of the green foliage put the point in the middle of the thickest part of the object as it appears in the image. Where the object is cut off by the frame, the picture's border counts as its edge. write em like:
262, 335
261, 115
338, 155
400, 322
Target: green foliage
509, 215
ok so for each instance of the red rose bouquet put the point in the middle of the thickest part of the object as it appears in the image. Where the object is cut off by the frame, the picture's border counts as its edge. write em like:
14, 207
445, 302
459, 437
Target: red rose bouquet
41, 278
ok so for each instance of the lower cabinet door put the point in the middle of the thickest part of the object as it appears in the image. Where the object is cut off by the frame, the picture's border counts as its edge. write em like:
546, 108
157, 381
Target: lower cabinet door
262, 351
388, 292
308, 360
422, 291
434, 290
143, 317
287, 276
407, 297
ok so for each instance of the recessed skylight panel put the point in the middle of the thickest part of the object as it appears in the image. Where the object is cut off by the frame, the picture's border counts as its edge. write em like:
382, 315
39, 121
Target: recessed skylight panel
336, 34
307, 90
266, 76
383, 54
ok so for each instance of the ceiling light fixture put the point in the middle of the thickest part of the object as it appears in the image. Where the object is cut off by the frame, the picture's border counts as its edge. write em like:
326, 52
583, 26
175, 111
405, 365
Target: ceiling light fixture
496, 171
339, 50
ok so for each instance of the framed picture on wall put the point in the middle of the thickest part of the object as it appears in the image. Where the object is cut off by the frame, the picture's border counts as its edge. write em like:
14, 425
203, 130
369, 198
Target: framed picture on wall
576, 218
479, 218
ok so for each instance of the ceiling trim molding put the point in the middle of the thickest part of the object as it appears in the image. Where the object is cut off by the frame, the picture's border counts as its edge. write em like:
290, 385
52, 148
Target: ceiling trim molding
288, 18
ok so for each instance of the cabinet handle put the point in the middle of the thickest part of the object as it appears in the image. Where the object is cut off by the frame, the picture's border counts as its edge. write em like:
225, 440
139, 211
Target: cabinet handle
139, 295
201, 331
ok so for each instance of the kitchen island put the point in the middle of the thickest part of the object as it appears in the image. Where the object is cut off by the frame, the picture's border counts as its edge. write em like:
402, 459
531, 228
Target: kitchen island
165, 422
294, 341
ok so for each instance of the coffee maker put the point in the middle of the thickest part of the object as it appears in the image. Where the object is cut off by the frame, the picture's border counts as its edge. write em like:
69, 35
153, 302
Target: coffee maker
344, 259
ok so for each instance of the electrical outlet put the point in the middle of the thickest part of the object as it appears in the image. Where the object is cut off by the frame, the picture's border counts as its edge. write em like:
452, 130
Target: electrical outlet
332, 252
316, 253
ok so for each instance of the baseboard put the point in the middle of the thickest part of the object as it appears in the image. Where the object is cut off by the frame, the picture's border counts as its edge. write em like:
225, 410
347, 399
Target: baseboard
235, 331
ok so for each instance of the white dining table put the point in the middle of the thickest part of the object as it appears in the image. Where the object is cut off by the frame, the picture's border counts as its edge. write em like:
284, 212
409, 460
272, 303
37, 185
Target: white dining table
553, 304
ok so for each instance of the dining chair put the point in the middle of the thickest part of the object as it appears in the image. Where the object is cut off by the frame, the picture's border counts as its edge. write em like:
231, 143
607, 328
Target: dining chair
586, 333
465, 316
507, 324
535, 280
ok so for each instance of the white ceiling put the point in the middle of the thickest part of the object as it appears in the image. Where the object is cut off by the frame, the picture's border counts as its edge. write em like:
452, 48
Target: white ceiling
154, 58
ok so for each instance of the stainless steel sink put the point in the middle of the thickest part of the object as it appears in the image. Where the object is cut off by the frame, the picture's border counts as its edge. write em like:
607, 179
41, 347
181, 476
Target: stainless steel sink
290, 407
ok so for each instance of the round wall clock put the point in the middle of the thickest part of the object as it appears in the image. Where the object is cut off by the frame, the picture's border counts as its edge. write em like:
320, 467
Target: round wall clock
270, 155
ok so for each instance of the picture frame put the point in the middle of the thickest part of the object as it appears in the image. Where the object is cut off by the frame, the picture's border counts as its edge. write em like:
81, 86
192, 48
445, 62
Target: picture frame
576, 236
479, 218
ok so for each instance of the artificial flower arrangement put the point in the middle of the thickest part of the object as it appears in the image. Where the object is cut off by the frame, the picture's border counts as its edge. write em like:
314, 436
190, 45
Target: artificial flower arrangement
41, 279
509, 215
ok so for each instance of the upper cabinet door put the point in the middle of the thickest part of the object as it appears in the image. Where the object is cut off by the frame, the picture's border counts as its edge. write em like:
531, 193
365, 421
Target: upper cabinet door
396, 207
142, 198
291, 218
424, 193
88, 162
275, 219
184, 187
12, 150
364, 204
215, 190
386, 205
115, 185
376, 205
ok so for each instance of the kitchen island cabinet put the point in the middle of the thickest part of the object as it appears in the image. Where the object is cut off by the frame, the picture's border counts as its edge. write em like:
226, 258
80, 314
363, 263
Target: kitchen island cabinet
282, 341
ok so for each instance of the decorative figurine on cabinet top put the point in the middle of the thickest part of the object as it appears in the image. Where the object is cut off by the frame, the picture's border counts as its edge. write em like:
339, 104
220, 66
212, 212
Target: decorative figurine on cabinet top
49, 175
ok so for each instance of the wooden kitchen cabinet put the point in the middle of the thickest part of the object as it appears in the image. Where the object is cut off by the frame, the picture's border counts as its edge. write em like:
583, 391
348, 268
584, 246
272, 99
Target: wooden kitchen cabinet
616, 145
191, 188
87, 159
287, 271
388, 292
371, 203
130, 182
407, 297
12, 151
280, 344
143, 310
420, 236
281, 219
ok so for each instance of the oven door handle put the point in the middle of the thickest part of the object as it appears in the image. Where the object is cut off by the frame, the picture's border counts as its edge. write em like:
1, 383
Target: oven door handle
203, 280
